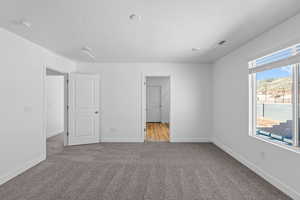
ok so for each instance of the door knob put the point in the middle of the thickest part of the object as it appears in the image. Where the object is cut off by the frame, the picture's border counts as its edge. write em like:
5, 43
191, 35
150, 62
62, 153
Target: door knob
96, 112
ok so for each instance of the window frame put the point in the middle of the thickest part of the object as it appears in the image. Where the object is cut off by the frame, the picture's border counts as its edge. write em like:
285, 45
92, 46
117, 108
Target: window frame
295, 103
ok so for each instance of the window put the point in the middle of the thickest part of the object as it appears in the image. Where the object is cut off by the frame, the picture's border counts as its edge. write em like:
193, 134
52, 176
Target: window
274, 96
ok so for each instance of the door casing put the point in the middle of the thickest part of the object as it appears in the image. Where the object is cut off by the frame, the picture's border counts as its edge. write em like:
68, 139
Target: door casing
66, 102
143, 124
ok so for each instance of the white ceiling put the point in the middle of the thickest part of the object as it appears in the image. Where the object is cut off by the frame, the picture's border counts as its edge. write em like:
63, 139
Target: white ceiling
169, 29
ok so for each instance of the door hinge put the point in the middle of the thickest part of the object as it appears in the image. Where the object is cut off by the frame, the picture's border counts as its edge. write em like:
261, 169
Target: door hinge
144, 129
67, 133
68, 107
67, 81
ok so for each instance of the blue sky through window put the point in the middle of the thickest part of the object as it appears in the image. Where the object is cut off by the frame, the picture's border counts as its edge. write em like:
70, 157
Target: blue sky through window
275, 73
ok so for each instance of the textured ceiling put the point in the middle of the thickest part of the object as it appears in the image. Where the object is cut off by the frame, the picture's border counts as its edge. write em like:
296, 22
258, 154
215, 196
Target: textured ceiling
167, 31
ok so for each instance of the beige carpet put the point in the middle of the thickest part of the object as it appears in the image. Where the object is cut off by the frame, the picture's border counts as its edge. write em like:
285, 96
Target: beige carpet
151, 171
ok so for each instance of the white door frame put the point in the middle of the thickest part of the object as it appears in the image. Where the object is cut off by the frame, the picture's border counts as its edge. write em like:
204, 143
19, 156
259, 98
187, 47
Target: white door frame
66, 103
143, 127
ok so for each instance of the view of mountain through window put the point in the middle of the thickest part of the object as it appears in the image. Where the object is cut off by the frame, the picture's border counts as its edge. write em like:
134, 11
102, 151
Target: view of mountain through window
274, 108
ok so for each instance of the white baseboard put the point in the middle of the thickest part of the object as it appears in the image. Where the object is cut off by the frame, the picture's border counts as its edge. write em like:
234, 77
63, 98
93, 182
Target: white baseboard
173, 140
271, 179
130, 140
190, 140
20, 169
54, 133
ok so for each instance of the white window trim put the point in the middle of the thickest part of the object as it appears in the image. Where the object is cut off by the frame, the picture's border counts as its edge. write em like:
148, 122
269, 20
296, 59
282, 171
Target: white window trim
294, 48
295, 102
277, 143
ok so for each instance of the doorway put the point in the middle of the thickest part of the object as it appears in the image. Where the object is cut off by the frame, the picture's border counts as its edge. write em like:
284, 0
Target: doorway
56, 111
157, 109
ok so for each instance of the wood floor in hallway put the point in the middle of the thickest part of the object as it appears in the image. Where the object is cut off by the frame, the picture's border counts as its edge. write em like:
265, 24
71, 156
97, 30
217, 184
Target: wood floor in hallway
157, 132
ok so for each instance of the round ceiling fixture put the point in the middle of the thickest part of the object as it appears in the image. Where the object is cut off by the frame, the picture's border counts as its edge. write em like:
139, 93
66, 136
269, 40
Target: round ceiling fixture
135, 17
196, 49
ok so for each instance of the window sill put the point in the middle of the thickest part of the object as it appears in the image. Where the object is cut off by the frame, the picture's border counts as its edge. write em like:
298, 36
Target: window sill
277, 143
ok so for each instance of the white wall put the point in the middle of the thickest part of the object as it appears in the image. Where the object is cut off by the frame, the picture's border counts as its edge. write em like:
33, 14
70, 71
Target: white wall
164, 83
22, 142
55, 105
230, 110
121, 99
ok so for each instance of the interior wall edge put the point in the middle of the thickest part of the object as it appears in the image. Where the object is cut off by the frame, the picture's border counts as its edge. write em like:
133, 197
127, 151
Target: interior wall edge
74, 62
24, 96
54, 133
288, 190
19, 170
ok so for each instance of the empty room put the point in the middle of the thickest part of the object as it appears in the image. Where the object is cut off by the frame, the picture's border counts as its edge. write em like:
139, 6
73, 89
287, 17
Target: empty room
134, 99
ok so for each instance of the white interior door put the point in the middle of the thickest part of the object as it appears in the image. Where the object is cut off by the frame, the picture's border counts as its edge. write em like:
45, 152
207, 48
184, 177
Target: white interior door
84, 109
153, 103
